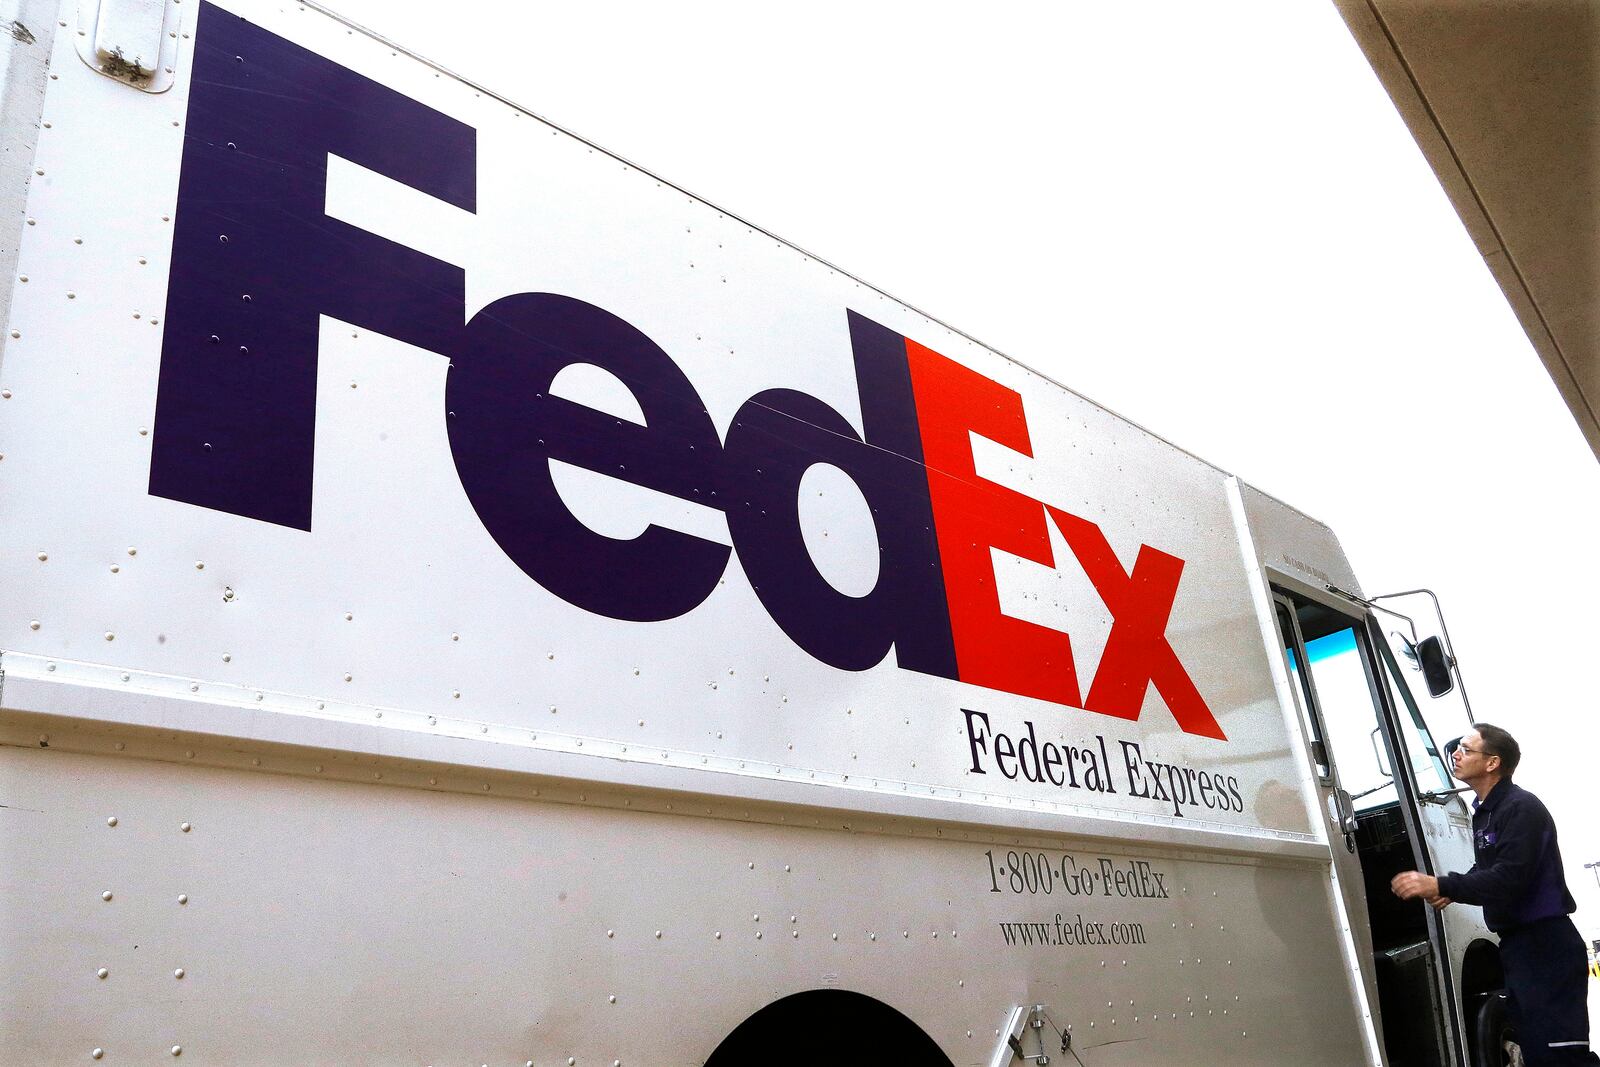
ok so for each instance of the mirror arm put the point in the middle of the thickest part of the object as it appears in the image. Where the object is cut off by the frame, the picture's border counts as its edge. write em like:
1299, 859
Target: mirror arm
1410, 622
1444, 632
1440, 796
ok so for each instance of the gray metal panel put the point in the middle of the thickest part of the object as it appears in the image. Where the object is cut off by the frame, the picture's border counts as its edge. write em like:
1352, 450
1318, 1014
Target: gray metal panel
332, 922
1291, 542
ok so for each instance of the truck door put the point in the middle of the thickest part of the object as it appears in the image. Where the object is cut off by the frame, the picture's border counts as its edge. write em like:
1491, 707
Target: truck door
1446, 822
1368, 772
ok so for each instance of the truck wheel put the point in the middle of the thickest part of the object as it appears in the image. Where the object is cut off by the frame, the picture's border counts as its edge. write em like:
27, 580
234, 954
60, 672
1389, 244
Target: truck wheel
835, 1027
1495, 1041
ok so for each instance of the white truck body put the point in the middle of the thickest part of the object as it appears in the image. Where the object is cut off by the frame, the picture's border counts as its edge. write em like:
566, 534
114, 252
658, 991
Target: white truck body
362, 705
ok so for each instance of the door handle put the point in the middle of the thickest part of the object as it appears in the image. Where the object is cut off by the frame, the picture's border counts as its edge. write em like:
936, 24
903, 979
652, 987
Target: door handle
1345, 810
1377, 750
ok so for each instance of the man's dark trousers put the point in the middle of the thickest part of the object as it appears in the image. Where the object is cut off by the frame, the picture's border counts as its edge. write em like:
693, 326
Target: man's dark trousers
1547, 972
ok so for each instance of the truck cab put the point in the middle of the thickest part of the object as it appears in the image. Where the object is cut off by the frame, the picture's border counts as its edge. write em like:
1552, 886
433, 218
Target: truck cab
1374, 699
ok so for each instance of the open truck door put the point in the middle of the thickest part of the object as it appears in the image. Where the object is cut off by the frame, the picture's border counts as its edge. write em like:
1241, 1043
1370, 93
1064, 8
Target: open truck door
1392, 806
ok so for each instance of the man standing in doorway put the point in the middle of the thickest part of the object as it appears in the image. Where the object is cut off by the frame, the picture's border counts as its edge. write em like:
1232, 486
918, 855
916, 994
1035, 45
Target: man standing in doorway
1516, 877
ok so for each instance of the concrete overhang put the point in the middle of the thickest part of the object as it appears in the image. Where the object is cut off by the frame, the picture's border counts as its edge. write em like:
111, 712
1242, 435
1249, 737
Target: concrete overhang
1501, 96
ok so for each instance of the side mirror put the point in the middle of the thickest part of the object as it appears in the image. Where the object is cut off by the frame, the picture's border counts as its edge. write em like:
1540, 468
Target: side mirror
1450, 747
1436, 665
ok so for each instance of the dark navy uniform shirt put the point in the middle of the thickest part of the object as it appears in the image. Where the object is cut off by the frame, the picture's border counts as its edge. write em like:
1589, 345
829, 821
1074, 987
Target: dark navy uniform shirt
1516, 874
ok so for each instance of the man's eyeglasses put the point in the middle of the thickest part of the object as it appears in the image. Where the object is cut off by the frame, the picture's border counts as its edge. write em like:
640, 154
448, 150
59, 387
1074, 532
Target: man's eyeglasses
1454, 746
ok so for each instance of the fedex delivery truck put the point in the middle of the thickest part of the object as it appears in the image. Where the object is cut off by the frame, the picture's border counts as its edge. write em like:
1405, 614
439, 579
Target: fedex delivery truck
466, 600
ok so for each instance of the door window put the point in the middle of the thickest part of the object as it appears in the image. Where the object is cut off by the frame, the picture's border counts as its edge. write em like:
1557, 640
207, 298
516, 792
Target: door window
1427, 760
1340, 675
1345, 676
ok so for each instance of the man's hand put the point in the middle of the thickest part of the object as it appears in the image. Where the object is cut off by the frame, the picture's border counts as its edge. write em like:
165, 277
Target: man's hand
1439, 903
1409, 885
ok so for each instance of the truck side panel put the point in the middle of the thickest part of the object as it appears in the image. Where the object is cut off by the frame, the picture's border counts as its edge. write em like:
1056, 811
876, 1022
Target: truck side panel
329, 916
387, 395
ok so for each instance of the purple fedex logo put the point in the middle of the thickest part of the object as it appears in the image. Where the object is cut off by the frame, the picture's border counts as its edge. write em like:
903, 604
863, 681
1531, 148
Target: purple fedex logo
256, 262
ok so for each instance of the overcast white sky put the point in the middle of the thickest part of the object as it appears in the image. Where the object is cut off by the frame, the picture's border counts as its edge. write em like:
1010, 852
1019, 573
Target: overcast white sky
1207, 217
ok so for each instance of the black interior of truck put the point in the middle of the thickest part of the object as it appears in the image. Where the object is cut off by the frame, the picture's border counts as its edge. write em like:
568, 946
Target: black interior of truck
1385, 851
1406, 981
